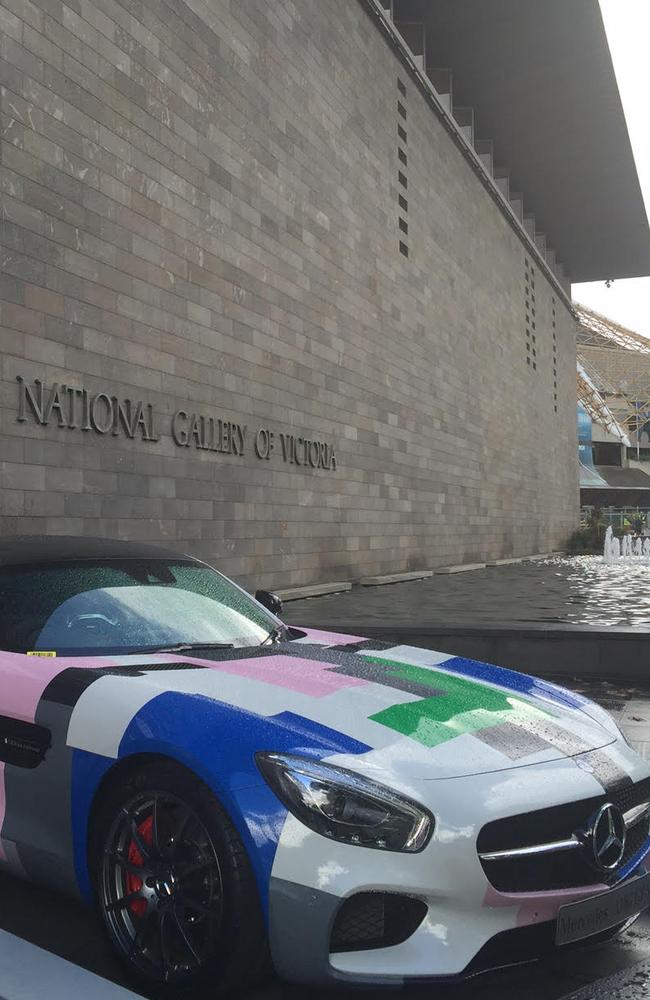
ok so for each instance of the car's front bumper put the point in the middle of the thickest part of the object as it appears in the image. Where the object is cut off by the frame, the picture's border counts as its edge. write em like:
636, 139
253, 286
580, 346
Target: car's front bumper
301, 923
468, 926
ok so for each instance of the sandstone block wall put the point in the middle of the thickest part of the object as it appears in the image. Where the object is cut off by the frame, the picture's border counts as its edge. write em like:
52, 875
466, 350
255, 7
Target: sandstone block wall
200, 212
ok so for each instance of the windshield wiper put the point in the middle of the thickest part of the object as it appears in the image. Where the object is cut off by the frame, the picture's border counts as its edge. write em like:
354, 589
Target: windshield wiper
186, 647
276, 634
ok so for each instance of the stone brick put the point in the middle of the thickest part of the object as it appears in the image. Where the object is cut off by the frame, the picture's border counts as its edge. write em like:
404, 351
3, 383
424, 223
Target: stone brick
12, 289
44, 301
21, 477
63, 480
43, 504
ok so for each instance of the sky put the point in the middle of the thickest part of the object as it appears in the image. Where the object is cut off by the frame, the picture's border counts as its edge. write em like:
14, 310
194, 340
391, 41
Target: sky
627, 23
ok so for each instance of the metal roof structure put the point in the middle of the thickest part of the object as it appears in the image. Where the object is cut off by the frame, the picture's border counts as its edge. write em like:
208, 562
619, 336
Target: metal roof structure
599, 331
596, 407
532, 85
613, 373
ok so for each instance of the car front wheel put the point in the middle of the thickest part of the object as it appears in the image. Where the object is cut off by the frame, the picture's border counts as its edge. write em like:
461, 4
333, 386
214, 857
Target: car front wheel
174, 884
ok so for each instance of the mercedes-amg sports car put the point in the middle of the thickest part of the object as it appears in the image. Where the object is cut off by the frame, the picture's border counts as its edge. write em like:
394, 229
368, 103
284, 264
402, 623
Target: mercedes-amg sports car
229, 790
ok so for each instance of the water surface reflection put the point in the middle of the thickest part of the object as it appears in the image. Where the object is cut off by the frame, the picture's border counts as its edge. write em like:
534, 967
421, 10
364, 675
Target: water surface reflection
598, 594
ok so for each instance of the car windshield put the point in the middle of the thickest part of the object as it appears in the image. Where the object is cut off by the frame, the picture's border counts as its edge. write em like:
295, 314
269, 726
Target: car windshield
125, 606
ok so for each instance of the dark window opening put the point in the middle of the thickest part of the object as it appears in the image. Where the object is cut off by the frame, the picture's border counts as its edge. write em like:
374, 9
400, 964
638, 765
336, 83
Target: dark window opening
607, 453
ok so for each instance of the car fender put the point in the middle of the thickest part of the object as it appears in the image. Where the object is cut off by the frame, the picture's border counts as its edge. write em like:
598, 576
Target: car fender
217, 742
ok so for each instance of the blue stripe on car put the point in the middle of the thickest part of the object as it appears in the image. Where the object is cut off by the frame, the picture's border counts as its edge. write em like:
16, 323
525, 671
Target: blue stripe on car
217, 742
513, 681
630, 868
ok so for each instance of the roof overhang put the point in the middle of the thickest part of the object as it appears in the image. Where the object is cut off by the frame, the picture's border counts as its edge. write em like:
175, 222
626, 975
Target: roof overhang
539, 76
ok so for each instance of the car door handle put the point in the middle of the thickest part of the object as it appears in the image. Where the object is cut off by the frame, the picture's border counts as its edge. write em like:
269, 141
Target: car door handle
23, 744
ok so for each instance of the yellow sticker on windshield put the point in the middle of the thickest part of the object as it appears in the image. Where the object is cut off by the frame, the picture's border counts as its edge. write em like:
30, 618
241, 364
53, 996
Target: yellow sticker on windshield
41, 652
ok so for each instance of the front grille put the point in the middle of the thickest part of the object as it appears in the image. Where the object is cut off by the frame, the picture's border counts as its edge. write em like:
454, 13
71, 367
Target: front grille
375, 920
560, 869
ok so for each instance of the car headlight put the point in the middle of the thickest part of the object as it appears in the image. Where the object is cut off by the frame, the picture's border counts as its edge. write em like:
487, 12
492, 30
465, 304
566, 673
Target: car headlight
343, 806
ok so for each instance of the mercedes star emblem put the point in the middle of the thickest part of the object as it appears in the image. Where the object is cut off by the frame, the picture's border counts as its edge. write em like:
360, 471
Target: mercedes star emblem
606, 837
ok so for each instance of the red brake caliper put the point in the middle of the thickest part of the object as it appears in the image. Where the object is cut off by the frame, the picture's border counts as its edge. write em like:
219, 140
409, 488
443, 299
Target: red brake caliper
138, 907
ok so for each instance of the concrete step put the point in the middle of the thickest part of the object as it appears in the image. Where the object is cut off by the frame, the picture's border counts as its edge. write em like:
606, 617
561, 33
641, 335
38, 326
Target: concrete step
442, 82
379, 581
485, 151
502, 181
30, 973
313, 590
465, 121
529, 225
517, 205
464, 568
414, 34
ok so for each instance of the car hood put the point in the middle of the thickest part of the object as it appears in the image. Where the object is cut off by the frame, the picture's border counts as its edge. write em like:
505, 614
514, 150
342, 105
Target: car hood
392, 712
425, 714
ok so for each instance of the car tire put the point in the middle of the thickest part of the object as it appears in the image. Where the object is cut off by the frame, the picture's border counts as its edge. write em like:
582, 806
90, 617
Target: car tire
174, 884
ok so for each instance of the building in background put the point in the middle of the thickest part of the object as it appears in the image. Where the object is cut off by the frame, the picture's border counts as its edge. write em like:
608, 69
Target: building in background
613, 413
287, 284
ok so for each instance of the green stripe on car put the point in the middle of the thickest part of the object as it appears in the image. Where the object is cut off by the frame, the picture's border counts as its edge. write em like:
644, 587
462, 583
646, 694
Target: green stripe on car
464, 706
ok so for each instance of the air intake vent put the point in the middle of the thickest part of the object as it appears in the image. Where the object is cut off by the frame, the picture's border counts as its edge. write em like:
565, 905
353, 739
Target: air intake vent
376, 920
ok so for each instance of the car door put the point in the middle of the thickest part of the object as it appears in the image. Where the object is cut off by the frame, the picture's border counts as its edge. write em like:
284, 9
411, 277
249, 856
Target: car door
33, 770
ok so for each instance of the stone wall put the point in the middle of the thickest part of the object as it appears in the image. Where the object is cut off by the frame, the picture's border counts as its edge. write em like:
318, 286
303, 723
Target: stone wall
200, 213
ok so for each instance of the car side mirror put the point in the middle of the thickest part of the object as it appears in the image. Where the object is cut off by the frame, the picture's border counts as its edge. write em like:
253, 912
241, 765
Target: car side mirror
269, 601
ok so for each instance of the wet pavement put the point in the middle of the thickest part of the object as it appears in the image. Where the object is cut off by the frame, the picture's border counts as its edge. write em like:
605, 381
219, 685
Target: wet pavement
581, 590
619, 970
630, 984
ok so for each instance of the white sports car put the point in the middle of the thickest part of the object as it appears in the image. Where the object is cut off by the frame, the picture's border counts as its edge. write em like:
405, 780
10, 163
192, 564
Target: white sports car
225, 788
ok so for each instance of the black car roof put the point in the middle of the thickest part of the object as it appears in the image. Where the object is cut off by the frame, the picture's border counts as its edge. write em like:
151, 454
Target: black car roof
26, 550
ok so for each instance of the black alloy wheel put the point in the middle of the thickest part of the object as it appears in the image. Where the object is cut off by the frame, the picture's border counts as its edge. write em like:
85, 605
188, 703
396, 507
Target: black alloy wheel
173, 883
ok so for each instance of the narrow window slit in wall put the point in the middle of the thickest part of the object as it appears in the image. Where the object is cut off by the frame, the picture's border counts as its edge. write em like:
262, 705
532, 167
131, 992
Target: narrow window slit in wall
554, 330
530, 323
401, 174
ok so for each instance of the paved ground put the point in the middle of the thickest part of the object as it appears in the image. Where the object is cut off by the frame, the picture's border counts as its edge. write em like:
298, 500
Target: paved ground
630, 984
71, 932
31, 973
581, 590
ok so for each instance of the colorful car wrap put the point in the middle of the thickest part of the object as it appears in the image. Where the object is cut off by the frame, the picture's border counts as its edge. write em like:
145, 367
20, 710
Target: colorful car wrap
470, 741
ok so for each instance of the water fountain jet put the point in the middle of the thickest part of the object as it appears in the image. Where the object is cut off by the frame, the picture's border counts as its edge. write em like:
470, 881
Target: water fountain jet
630, 550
